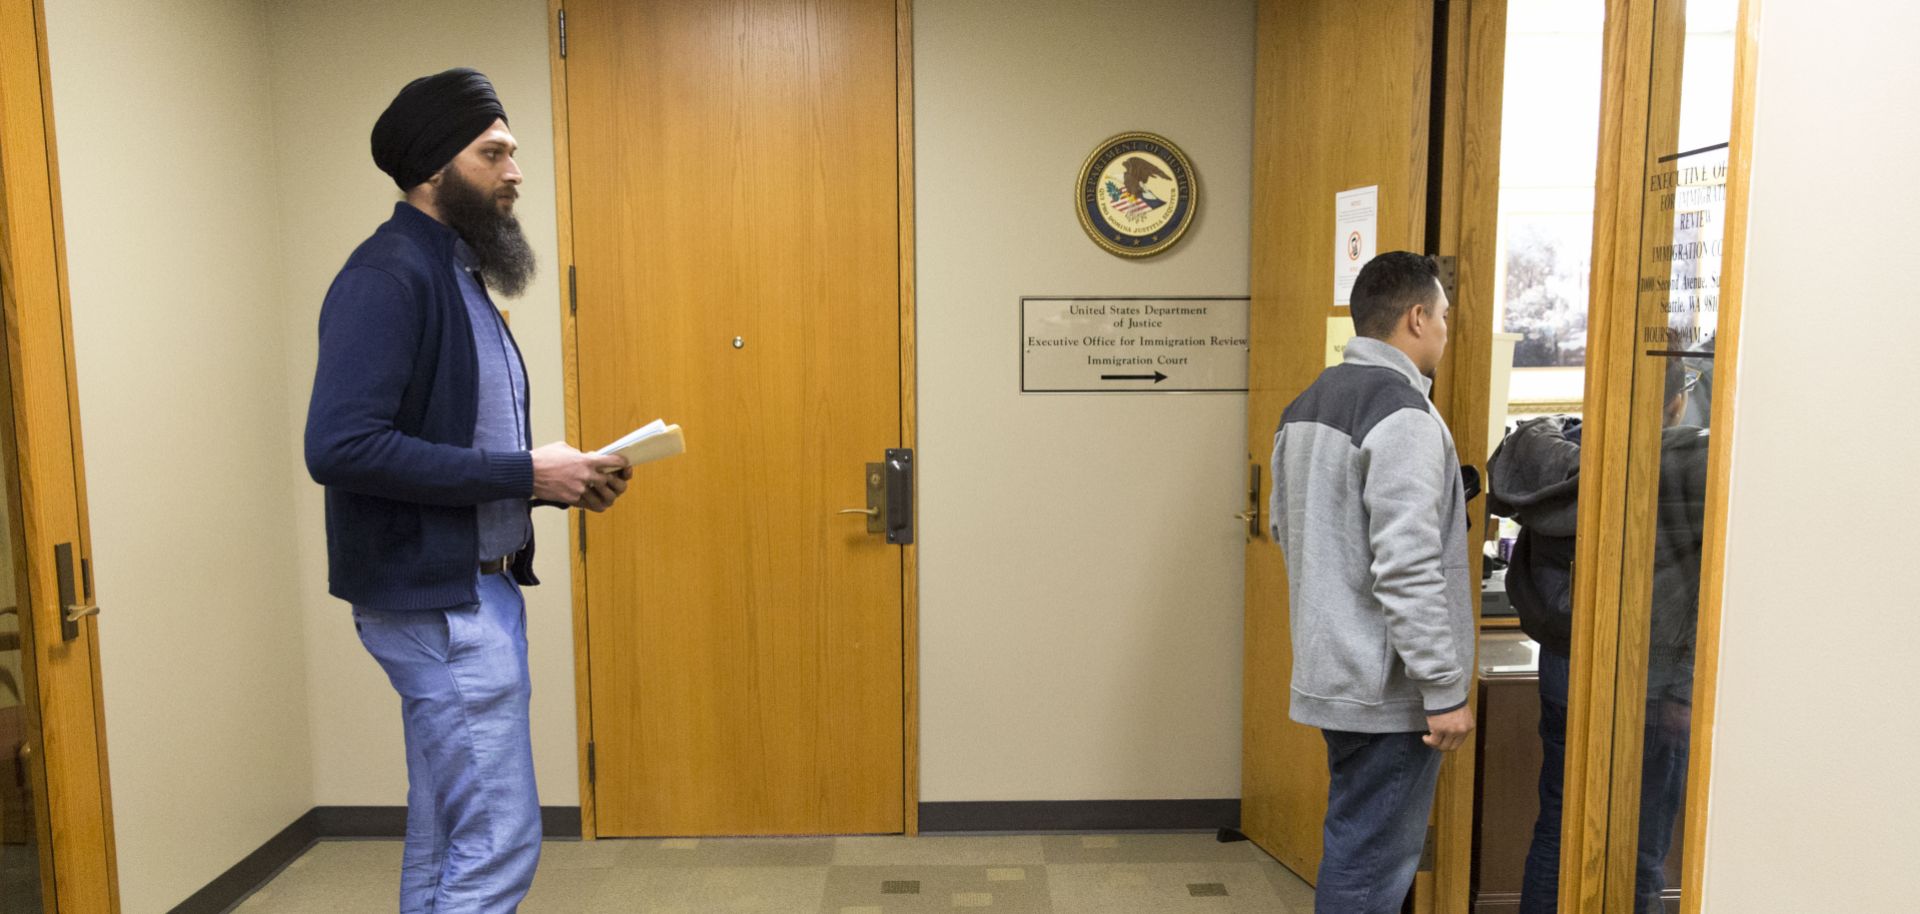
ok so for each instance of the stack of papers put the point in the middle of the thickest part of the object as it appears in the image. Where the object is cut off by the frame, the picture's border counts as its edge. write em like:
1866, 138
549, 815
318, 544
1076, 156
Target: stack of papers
649, 442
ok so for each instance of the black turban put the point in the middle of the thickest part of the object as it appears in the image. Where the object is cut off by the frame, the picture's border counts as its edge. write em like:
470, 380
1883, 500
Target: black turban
430, 121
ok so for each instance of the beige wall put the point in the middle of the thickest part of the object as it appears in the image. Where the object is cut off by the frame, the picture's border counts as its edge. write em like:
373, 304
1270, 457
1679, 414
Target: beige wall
171, 198
1137, 674
1072, 649
1813, 804
1081, 572
1148, 706
1156, 679
215, 174
335, 67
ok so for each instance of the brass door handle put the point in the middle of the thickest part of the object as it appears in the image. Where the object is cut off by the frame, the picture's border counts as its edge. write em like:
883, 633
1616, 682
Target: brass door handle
889, 486
76, 612
1251, 516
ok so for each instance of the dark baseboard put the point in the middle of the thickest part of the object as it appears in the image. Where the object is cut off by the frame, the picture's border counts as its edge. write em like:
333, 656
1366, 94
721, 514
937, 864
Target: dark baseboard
1081, 815
254, 870
359, 821
320, 823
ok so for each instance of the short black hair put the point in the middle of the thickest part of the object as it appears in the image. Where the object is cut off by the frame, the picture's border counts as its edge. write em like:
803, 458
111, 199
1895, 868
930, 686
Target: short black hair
1389, 285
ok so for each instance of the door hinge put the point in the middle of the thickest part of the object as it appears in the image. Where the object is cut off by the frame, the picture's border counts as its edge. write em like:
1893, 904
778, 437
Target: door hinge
592, 769
583, 531
563, 34
1449, 276
573, 292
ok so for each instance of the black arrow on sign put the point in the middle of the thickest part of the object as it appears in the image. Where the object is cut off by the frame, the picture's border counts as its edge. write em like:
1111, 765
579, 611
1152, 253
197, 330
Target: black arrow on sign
1156, 377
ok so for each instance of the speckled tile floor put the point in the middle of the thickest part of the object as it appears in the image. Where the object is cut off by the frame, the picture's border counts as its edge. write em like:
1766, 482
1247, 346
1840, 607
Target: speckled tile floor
1013, 874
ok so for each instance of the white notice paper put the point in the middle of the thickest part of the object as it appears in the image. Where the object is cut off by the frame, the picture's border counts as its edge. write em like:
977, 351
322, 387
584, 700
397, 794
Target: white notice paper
656, 427
652, 441
1356, 223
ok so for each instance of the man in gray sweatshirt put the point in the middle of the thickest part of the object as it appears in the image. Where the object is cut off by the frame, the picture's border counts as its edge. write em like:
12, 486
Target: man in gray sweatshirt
1369, 507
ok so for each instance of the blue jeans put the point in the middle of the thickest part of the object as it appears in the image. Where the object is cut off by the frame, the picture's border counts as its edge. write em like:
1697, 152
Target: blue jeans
1540, 887
473, 812
1380, 795
1663, 789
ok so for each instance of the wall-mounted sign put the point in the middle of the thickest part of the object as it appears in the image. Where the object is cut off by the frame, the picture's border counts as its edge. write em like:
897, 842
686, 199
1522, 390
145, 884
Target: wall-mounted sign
1105, 345
1356, 230
1137, 194
1680, 267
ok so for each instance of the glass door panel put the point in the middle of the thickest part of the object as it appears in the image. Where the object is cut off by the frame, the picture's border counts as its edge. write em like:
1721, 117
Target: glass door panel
24, 887
1678, 282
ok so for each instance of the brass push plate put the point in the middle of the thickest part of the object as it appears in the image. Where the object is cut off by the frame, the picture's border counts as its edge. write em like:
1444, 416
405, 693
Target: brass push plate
876, 498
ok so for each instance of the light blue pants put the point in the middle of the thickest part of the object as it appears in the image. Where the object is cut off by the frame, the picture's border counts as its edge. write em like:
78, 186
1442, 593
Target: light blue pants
473, 813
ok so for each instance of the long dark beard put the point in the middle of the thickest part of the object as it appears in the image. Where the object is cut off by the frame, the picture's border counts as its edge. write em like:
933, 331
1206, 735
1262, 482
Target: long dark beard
505, 258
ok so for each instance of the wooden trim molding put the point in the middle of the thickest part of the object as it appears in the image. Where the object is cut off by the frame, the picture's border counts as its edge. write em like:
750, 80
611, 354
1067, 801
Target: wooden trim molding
1468, 220
1598, 566
909, 428
1543, 407
570, 371
1726, 380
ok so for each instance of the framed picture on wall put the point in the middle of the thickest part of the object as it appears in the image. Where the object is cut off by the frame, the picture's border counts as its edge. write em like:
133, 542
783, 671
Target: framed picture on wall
1543, 296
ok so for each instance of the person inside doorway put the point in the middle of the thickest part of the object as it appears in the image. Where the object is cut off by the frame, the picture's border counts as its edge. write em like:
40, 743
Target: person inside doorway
1534, 479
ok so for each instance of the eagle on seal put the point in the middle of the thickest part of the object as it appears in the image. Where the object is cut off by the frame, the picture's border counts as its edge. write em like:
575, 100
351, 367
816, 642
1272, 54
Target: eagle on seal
1138, 170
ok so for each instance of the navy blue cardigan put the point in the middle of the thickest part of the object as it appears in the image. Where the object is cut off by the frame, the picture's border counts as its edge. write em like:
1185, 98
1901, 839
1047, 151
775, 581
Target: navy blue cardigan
390, 426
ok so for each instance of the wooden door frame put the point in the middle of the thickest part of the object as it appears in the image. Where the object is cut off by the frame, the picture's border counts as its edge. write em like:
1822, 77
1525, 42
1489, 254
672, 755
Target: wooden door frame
52, 477
1468, 223
1601, 597
570, 362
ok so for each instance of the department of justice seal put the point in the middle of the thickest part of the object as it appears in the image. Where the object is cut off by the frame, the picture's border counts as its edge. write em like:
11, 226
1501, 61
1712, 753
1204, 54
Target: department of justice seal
1137, 194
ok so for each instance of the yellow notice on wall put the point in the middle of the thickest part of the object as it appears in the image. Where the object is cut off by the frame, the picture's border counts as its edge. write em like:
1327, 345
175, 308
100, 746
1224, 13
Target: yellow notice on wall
1339, 331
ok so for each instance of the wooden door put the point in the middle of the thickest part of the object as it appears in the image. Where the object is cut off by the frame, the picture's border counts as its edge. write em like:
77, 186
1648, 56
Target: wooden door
1669, 251
735, 196
1341, 102
54, 740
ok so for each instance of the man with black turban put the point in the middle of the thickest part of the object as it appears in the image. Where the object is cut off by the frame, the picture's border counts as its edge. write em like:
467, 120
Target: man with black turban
419, 430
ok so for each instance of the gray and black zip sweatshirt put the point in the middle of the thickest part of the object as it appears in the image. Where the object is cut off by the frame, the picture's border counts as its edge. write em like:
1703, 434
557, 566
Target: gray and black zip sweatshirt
1368, 506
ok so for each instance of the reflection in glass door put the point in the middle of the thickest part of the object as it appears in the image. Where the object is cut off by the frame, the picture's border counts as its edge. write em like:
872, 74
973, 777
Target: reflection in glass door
1678, 281
23, 888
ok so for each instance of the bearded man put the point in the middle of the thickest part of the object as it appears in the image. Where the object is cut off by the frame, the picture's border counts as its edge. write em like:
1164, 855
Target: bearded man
419, 430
